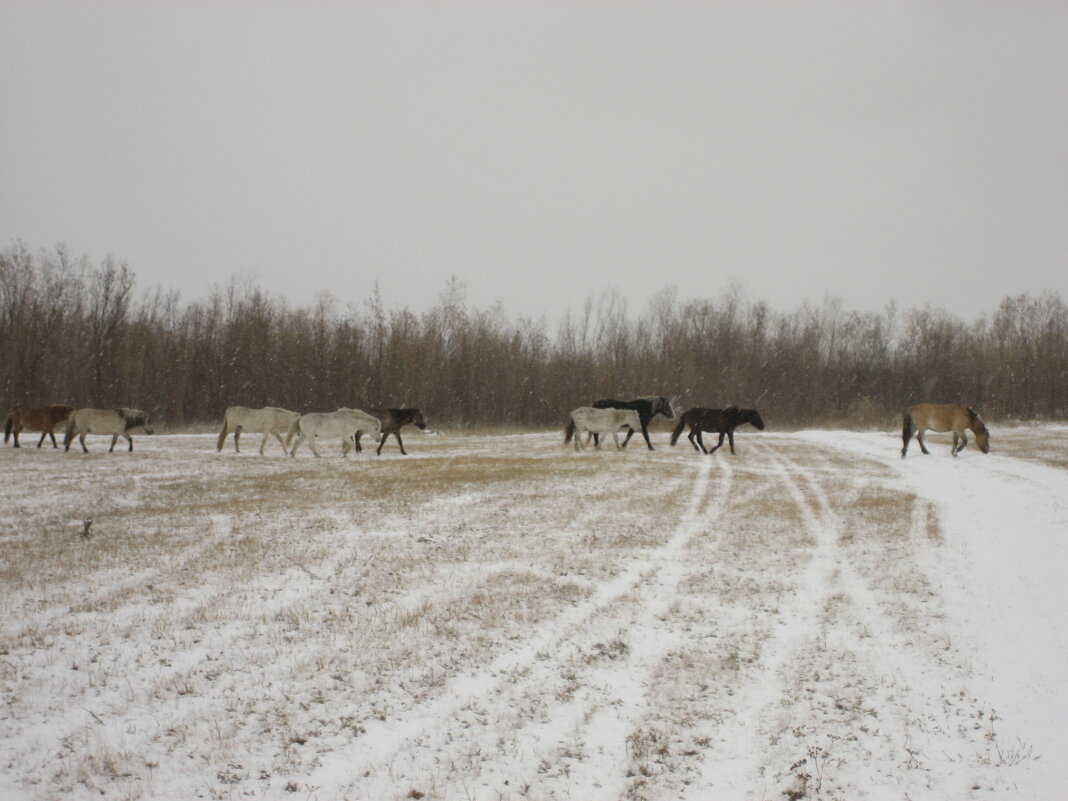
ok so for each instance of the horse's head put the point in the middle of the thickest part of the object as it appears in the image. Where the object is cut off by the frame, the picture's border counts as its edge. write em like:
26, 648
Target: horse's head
135, 418
665, 408
754, 417
415, 417
978, 427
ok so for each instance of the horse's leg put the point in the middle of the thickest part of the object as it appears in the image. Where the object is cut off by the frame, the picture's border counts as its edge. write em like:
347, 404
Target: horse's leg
300, 439
237, 439
52, 435
40, 442
81, 439
399, 442
701, 441
578, 440
311, 444
130, 440
693, 436
923, 445
16, 431
615, 436
114, 439
730, 436
645, 433
722, 435
281, 441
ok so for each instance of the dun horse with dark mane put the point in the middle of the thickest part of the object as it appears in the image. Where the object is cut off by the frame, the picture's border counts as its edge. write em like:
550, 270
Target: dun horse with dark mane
942, 417
117, 422
45, 419
723, 421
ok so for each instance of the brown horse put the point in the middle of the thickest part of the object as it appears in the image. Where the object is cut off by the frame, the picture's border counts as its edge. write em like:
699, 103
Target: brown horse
393, 420
40, 418
722, 421
942, 417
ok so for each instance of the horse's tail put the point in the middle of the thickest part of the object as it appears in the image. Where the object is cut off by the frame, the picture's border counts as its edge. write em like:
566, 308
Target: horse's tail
292, 432
906, 432
224, 432
569, 432
678, 430
68, 435
8, 426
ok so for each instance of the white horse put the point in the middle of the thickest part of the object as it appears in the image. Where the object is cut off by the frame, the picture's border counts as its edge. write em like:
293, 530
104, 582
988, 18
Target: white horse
117, 422
587, 419
344, 424
268, 420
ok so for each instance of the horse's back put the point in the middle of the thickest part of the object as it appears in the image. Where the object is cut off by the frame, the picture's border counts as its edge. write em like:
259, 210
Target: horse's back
99, 421
938, 416
603, 419
267, 419
39, 418
339, 423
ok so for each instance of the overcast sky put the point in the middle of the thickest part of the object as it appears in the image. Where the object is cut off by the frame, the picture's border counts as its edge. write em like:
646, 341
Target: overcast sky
541, 152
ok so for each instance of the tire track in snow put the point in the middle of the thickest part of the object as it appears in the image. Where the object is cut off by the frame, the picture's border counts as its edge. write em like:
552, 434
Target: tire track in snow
885, 655
738, 764
533, 665
615, 700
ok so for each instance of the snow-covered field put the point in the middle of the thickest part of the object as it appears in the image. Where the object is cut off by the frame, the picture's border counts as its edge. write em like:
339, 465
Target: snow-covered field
497, 617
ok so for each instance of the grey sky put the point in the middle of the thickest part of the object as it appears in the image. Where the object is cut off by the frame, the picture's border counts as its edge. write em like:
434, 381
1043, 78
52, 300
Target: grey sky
541, 152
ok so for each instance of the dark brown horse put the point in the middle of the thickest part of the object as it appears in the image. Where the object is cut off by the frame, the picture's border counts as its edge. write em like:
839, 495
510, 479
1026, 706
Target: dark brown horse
723, 421
392, 421
941, 417
40, 418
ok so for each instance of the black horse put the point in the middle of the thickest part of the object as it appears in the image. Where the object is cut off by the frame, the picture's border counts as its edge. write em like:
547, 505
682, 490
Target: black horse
723, 421
647, 409
392, 421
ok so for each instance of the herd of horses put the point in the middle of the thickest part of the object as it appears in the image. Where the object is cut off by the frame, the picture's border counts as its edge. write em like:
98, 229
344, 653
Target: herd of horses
601, 418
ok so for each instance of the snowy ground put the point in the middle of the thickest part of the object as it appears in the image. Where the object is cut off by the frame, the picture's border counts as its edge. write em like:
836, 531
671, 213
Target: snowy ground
498, 617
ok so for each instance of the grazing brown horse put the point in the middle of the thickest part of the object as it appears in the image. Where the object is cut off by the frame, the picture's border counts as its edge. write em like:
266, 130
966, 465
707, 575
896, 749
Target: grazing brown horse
942, 417
723, 421
393, 420
39, 418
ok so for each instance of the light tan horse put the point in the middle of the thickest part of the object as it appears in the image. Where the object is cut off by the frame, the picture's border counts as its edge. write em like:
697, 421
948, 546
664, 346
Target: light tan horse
117, 422
942, 417
45, 419
344, 424
268, 420
587, 419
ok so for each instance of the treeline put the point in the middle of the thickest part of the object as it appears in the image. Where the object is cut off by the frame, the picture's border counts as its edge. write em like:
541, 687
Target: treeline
72, 331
